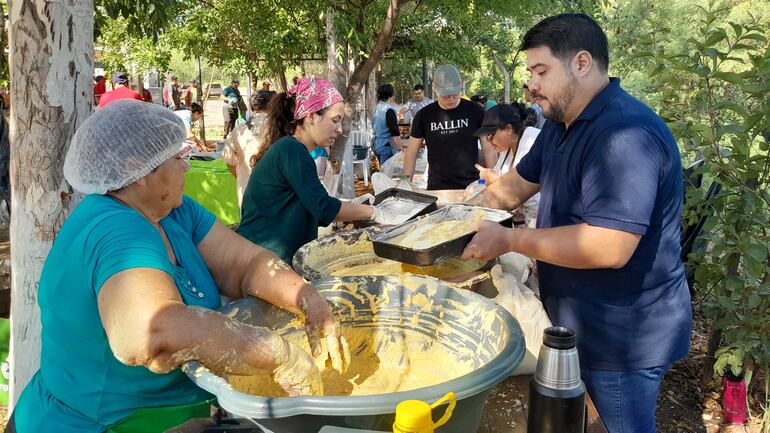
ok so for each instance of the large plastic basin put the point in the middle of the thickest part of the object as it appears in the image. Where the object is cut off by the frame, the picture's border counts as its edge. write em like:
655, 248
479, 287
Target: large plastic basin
344, 253
478, 329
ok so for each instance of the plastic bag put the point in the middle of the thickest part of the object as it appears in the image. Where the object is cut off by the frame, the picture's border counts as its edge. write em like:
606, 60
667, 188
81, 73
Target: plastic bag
394, 166
524, 306
329, 178
517, 264
381, 182
344, 183
473, 189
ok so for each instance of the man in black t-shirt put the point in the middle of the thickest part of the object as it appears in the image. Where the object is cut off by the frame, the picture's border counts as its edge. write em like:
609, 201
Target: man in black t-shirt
447, 127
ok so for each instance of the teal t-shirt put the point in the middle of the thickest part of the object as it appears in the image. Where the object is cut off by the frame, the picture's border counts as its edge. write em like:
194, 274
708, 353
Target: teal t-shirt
318, 151
284, 202
80, 386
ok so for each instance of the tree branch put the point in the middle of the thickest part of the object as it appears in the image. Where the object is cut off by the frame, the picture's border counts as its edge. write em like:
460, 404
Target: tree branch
506, 77
362, 71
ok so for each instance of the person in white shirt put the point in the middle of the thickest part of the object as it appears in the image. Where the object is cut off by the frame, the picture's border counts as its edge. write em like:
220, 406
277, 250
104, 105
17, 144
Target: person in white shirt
407, 112
245, 142
194, 114
508, 129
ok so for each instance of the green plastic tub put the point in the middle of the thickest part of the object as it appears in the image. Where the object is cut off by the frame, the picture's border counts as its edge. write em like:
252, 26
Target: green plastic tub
478, 327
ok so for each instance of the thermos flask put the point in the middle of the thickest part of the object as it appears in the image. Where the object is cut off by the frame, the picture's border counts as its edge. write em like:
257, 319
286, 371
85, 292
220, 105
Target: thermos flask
556, 393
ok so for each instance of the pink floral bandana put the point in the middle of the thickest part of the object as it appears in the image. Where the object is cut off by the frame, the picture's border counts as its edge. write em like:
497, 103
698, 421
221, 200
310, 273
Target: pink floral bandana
313, 94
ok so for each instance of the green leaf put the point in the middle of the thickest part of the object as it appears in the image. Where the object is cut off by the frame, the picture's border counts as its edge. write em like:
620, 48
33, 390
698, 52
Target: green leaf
754, 268
732, 128
740, 46
754, 301
715, 37
737, 28
719, 365
755, 36
756, 89
726, 302
730, 77
737, 108
757, 251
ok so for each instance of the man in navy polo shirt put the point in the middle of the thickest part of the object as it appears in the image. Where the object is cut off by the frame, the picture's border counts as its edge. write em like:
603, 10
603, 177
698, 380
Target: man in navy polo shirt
607, 239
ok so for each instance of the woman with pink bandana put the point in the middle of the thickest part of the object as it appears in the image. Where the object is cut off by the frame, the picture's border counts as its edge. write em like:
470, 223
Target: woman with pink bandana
284, 202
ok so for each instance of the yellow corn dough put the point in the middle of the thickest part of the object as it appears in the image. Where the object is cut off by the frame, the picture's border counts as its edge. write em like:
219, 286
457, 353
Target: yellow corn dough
428, 235
400, 339
447, 269
382, 361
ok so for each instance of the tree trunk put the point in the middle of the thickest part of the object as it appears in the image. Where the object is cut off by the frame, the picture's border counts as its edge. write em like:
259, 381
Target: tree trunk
3, 58
51, 65
424, 75
506, 78
361, 74
513, 71
199, 77
371, 96
335, 71
428, 84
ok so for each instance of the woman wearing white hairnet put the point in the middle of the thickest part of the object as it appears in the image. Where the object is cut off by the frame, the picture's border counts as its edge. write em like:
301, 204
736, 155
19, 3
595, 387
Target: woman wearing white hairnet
128, 290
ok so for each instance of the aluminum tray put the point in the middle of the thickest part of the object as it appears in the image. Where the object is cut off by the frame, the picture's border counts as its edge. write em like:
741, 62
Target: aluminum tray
428, 200
447, 249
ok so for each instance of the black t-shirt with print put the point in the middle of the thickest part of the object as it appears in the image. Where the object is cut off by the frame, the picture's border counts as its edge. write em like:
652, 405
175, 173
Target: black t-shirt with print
452, 149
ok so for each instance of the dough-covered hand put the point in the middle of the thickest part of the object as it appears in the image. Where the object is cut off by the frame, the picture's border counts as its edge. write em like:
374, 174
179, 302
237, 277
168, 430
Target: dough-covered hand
296, 372
323, 332
490, 241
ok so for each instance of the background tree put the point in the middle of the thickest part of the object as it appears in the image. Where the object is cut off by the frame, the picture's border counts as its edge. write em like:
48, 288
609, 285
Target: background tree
51, 50
134, 55
713, 91
251, 37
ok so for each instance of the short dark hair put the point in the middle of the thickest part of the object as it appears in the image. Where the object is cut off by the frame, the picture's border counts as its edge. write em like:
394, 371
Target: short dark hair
566, 34
259, 100
479, 99
419, 87
384, 92
196, 108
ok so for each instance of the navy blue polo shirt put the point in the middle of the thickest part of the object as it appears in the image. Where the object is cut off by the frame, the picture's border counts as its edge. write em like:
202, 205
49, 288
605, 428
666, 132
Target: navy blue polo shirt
618, 167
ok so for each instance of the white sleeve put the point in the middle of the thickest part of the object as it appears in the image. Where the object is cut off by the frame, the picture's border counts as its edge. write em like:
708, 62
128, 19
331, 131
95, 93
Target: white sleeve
231, 150
525, 143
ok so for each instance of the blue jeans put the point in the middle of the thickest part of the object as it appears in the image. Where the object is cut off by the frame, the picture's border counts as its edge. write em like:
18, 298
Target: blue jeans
383, 154
625, 400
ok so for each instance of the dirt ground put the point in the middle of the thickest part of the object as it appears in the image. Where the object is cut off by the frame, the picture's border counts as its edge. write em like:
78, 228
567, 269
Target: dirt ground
684, 406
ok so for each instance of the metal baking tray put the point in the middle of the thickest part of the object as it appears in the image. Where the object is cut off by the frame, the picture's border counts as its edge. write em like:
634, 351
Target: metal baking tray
436, 253
428, 200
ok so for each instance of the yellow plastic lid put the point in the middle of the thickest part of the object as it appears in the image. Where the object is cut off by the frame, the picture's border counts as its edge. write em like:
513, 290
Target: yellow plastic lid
413, 416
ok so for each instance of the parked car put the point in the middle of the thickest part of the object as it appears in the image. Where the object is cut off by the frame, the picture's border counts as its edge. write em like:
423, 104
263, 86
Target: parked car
215, 90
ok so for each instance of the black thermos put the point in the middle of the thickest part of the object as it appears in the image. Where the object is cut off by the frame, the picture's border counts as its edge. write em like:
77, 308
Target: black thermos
556, 393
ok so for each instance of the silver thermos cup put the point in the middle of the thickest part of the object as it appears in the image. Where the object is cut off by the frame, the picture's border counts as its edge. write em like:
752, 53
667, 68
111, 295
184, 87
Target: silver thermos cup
556, 393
